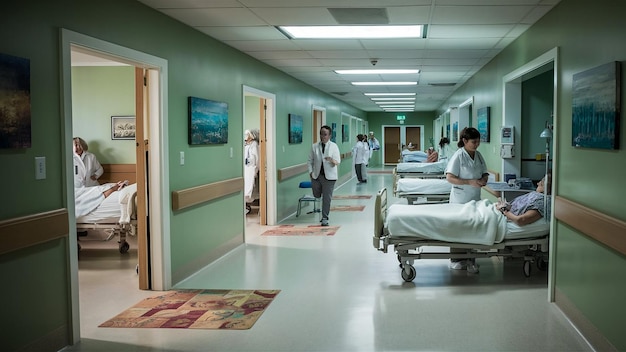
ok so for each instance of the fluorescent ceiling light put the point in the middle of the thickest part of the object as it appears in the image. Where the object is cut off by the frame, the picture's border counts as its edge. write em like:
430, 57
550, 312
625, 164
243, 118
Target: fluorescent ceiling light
396, 107
375, 72
346, 32
384, 83
398, 110
388, 94
388, 99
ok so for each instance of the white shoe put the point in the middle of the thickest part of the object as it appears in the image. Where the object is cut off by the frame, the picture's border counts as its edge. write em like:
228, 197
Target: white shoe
472, 268
460, 265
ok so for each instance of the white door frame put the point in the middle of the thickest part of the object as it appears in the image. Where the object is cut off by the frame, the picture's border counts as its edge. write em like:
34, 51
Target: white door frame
159, 164
512, 107
270, 149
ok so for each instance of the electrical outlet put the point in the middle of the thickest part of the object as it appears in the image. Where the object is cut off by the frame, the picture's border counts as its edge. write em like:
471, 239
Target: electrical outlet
40, 168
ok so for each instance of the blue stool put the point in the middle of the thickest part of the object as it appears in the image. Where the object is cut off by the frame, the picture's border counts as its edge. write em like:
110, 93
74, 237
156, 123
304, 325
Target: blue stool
306, 199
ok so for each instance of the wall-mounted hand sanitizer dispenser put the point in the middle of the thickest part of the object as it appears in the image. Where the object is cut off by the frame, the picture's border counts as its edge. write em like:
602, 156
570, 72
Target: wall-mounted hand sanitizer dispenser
507, 139
507, 135
506, 151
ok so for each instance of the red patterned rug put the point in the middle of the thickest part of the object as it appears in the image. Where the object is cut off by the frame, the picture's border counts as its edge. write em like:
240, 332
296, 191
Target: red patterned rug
311, 230
196, 309
365, 196
347, 208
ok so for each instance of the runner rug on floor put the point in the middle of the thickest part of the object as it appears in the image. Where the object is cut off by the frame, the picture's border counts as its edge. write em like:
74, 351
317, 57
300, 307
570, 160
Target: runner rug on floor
347, 208
365, 196
311, 230
196, 309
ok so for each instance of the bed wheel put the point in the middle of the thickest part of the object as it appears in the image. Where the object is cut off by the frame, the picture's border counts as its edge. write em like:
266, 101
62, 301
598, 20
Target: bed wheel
527, 268
124, 247
408, 273
542, 264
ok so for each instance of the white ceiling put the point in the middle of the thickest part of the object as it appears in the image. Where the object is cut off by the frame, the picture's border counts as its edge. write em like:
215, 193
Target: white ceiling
462, 36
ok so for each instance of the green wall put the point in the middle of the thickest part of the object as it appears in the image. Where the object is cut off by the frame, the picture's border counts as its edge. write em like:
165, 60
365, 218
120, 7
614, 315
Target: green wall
97, 94
197, 66
590, 275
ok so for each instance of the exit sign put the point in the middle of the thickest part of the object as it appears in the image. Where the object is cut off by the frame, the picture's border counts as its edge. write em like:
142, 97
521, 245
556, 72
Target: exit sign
400, 117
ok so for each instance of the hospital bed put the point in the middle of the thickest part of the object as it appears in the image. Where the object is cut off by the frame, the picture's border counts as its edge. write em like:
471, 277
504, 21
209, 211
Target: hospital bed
414, 156
422, 191
116, 215
476, 227
421, 170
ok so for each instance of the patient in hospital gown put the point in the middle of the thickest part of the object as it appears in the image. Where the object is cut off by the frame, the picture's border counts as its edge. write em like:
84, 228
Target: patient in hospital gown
529, 207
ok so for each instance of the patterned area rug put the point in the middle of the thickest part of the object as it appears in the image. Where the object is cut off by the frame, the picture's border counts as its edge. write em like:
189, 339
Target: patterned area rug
347, 208
311, 230
196, 309
365, 196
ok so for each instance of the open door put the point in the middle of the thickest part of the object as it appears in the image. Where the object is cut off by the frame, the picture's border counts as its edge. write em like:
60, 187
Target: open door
263, 163
142, 149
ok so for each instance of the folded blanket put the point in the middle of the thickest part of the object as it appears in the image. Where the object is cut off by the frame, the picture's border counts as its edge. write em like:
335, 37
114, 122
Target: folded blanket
476, 222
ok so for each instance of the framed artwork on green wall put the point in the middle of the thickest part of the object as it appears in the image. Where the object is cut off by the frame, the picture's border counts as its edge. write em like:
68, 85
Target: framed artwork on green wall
596, 107
15, 114
122, 127
482, 120
208, 121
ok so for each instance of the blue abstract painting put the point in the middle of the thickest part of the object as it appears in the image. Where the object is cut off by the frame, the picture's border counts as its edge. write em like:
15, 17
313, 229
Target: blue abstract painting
596, 107
208, 121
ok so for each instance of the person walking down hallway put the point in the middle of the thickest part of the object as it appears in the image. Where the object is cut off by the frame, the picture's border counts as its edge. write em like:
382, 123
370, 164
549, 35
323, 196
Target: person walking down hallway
322, 165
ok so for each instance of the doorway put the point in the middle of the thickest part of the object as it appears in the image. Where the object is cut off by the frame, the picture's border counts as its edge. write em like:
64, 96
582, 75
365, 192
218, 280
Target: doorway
259, 110
396, 137
156, 275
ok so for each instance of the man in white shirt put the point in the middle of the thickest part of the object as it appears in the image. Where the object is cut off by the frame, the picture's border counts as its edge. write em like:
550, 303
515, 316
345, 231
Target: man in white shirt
322, 165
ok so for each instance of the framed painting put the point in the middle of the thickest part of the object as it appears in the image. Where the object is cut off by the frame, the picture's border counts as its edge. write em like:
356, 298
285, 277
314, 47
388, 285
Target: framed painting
15, 113
455, 131
295, 129
333, 135
208, 121
483, 117
345, 133
596, 107
122, 127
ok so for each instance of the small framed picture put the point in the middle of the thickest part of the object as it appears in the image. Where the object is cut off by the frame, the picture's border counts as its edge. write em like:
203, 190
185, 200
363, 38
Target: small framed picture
122, 127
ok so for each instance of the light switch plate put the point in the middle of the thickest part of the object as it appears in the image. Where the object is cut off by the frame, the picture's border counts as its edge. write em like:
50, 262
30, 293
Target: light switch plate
40, 168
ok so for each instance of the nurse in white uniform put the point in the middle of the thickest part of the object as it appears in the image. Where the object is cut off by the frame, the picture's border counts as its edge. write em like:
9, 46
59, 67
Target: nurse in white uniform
467, 172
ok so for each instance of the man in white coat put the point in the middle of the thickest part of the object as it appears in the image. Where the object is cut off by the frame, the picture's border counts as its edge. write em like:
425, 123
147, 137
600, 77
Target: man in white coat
322, 165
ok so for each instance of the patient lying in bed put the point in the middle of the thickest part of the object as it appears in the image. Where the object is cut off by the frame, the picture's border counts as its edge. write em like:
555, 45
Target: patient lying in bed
530, 207
87, 199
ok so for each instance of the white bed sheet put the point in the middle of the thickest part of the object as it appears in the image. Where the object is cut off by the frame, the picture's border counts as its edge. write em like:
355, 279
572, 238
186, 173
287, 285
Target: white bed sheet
476, 222
110, 210
423, 186
437, 167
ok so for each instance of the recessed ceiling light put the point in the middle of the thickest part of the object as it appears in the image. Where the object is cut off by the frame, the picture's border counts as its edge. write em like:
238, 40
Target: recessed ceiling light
344, 32
388, 99
384, 83
376, 72
388, 94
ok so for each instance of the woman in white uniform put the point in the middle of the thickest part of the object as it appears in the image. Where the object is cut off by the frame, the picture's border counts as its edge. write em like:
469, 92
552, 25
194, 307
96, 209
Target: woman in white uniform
467, 172
251, 166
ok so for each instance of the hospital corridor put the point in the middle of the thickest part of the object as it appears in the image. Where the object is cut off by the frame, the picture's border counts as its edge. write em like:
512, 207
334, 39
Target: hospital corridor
337, 293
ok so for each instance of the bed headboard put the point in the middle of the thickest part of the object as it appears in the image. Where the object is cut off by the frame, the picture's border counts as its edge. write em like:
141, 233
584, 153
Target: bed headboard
118, 172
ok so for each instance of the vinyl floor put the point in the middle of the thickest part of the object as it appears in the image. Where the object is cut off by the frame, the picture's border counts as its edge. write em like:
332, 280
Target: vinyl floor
338, 294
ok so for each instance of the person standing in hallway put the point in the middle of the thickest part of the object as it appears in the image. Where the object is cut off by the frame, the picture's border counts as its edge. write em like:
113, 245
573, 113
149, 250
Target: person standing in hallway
250, 167
360, 153
467, 172
322, 164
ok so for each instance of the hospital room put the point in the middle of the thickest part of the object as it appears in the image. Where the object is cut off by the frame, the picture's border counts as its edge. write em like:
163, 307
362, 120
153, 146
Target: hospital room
104, 126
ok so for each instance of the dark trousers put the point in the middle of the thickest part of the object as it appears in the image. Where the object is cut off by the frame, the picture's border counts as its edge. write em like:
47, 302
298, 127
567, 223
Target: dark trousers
322, 187
359, 172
